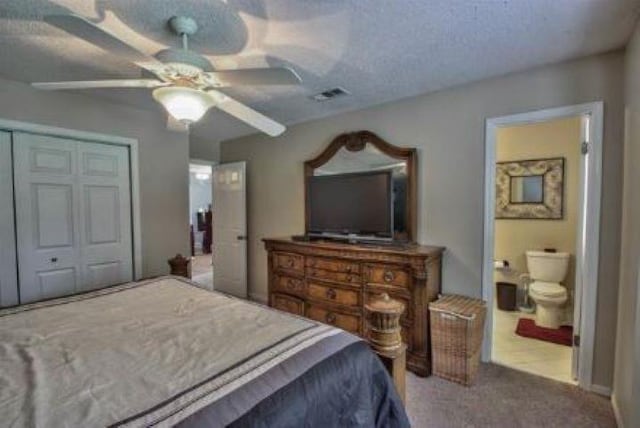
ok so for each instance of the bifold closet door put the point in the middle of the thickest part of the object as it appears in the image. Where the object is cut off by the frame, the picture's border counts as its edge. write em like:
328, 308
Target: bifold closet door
8, 271
73, 215
105, 215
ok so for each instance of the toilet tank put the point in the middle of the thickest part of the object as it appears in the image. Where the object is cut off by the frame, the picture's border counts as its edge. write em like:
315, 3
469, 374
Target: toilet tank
547, 267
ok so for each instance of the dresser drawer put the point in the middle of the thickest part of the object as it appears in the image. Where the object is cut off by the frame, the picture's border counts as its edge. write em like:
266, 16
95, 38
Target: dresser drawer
348, 322
387, 275
344, 277
332, 265
288, 262
286, 303
288, 284
337, 295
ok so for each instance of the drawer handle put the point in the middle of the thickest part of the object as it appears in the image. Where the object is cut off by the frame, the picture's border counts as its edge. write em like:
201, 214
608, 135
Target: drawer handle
348, 269
291, 284
289, 262
388, 276
330, 318
331, 293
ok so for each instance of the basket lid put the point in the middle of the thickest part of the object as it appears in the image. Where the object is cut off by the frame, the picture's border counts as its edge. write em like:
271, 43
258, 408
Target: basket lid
385, 304
460, 305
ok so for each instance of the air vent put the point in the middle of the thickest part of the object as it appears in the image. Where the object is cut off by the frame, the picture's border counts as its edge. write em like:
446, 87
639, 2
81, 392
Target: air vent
330, 94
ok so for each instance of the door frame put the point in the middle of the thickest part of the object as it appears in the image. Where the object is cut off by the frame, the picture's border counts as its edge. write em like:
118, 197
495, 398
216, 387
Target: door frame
590, 198
94, 137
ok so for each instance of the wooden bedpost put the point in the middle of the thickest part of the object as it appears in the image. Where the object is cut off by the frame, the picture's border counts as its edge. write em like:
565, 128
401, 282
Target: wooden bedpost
179, 266
384, 335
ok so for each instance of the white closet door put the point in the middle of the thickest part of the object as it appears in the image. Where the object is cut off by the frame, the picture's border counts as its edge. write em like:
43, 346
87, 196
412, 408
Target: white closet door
47, 216
73, 216
8, 271
105, 215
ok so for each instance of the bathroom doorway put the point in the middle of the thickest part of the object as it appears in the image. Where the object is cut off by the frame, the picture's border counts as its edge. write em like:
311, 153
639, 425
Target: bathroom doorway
201, 222
542, 195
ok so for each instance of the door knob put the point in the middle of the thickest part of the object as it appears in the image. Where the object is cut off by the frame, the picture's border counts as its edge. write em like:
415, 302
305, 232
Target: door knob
241, 237
54, 259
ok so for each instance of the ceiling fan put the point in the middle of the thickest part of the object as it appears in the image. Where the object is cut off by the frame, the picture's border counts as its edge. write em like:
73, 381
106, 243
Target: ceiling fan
185, 82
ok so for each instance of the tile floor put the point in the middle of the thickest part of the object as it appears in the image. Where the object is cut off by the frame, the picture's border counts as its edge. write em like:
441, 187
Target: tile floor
530, 355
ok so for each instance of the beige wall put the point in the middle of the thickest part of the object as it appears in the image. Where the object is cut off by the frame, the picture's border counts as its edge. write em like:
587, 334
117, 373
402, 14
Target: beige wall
163, 159
553, 139
204, 149
448, 129
626, 393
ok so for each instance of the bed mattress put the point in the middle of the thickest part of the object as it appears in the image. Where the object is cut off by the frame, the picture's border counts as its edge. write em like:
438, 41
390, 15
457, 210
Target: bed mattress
163, 352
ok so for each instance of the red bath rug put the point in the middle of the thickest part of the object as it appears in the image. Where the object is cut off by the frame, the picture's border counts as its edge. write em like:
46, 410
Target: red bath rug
528, 328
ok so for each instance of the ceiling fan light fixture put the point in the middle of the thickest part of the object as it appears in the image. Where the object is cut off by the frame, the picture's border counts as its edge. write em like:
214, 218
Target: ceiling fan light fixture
184, 104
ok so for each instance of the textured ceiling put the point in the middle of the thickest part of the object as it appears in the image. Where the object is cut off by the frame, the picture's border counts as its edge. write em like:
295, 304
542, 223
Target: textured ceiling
379, 50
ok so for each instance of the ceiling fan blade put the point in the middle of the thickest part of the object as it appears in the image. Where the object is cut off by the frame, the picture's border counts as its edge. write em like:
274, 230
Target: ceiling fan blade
174, 124
87, 30
254, 76
247, 114
91, 84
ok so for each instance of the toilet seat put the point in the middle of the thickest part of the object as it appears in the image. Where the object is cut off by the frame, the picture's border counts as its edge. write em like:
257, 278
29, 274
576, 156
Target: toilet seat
548, 289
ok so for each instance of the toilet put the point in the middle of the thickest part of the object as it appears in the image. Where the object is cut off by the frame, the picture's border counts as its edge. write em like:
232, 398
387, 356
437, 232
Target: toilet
546, 271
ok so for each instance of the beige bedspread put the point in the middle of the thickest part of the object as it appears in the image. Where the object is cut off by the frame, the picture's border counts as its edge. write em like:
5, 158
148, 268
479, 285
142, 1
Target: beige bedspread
98, 359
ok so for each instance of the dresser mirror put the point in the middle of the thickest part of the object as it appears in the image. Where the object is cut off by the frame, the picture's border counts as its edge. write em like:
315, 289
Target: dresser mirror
364, 152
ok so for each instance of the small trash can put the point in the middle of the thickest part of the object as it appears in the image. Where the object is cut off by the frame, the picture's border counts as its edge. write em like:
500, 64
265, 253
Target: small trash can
507, 296
457, 327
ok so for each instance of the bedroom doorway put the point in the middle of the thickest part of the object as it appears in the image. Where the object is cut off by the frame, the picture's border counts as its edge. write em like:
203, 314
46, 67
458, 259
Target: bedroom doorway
201, 222
540, 266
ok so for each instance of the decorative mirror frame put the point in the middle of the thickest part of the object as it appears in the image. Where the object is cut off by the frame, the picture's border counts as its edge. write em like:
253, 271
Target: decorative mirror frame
357, 141
552, 206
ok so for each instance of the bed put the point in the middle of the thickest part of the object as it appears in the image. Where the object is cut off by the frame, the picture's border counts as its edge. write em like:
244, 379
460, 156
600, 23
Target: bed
163, 352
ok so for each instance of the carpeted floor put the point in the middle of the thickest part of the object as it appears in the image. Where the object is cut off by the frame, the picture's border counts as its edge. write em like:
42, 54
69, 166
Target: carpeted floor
502, 397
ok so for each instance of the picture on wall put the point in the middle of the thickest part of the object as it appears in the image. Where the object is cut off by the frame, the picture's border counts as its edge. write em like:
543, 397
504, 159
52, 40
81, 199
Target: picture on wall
530, 189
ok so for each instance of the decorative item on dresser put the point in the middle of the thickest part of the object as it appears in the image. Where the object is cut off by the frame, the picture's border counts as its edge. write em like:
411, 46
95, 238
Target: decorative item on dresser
331, 281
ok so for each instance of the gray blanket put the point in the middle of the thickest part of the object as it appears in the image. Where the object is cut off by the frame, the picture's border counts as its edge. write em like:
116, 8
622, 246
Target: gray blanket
162, 352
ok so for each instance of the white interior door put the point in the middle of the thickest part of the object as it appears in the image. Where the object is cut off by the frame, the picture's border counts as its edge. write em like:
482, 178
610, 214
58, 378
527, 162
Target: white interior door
230, 229
73, 215
8, 271
581, 250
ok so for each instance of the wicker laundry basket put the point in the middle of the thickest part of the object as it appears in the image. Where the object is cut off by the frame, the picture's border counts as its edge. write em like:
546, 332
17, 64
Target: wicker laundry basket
457, 325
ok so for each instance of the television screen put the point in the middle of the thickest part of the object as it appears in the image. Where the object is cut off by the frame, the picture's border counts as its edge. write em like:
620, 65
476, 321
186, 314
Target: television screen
359, 203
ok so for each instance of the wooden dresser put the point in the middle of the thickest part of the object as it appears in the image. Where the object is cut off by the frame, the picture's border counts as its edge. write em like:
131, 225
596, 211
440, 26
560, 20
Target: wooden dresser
330, 282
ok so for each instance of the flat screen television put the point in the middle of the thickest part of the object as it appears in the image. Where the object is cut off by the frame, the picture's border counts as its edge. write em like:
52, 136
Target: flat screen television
351, 204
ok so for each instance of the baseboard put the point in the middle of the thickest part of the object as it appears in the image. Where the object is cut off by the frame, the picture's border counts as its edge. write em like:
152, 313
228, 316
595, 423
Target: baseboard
258, 297
616, 411
601, 390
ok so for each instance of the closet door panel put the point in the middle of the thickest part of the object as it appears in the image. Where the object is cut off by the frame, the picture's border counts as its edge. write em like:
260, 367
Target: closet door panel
47, 216
105, 209
8, 268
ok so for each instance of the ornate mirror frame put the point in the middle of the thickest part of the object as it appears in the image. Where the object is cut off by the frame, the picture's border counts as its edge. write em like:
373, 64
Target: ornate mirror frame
357, 141
552, 205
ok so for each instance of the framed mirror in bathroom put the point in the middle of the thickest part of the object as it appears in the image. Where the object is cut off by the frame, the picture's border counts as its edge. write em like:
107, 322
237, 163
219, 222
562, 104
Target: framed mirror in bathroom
530, 189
